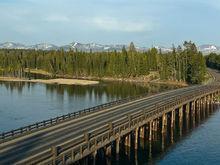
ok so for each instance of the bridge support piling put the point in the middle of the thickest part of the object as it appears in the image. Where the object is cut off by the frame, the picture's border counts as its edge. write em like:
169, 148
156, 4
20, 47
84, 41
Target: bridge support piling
173, 118
136, 138
204, 107
128, 140
108, 151
180, 119
142, 132
127, 144
204, 101
193, 104
207, 106
198, 111
150, 130
94, 157
154, 129
54, 151
164, 123
208, 100
187, 115
117, 145
172, 129
212, 102
163, 136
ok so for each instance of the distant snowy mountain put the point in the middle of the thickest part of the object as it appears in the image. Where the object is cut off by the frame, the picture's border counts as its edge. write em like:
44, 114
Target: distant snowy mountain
163, 49
97, 47
12, 45
43, 46
72, 46
209, 48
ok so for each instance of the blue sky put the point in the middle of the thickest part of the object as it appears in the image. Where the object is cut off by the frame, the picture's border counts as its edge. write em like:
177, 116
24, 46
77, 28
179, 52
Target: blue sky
145, 22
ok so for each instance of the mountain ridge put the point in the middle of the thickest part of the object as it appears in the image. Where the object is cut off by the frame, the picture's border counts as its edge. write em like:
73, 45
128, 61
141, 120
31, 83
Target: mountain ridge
205, 48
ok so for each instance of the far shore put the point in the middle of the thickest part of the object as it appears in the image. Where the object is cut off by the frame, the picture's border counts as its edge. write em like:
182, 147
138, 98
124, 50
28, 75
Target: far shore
152, 78
51, 81
89, 81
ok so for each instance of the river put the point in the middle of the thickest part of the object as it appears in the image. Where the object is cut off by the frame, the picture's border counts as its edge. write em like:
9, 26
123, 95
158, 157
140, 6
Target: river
27, 103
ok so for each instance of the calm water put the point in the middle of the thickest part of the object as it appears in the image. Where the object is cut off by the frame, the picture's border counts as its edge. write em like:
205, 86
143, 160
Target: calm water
25, 103
200, 146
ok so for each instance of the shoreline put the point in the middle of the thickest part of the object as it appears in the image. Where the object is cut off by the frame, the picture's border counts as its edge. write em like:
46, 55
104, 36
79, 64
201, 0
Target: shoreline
90, 81
60, 81
152, 78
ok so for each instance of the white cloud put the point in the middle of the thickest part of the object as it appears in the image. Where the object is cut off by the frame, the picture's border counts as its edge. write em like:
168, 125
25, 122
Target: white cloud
114, 24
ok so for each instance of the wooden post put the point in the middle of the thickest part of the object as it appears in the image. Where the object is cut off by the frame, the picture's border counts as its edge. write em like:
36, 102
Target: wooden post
181, 120
128, 140
193, 113
164, 123
108, 151
94, 157
187, 116
162, 141
150, 130
142, 132
198, 111
173, 116
117, 145
136, 138
54, 151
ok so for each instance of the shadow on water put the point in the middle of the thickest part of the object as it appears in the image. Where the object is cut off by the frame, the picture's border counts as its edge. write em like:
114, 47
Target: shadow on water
151, 152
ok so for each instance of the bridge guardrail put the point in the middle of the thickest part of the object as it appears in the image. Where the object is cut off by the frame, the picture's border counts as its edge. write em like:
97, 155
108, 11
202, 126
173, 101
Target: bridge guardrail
53, 121
46, 123
118, 128
150, 109
71, 146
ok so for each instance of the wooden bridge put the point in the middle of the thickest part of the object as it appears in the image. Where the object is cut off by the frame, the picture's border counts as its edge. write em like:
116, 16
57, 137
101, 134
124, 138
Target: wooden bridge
75, 136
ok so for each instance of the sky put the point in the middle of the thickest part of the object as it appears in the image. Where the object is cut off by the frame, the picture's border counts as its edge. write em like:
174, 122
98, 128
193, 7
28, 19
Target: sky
145, 22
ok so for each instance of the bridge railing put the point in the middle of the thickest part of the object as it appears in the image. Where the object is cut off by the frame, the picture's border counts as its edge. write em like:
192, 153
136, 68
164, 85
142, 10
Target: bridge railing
102, 134
47, 123
150, 111
72, 147
56, 120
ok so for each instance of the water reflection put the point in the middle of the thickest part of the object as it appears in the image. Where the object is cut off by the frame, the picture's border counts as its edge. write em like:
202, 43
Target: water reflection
23, 103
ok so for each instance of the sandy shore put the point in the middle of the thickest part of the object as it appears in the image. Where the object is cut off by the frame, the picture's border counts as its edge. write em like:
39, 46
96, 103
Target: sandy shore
52, 81
152, 77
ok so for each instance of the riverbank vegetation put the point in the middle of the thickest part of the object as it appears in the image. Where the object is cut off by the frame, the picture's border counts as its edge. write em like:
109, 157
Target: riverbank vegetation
184, 64
213, 60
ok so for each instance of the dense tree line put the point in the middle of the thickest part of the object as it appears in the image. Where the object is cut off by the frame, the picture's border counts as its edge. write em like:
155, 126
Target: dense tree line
213, 60
182, 64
